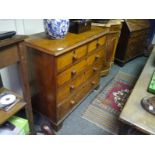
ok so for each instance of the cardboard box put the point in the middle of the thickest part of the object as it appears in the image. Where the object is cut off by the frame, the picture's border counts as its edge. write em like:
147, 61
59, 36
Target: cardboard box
21, 127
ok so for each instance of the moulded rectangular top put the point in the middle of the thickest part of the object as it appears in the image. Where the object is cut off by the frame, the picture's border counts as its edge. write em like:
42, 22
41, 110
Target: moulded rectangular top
137, 24
12, 40
41, 42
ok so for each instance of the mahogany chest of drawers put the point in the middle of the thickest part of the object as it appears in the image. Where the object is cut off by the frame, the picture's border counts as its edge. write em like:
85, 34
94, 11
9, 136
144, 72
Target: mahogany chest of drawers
132, 41
65, 71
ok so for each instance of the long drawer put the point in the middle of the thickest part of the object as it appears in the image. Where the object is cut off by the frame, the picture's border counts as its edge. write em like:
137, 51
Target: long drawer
71, 72
75, 70
69, 88
8, 59
93, 45
66, 107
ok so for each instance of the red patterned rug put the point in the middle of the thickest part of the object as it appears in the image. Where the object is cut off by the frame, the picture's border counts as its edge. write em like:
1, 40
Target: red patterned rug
107, 105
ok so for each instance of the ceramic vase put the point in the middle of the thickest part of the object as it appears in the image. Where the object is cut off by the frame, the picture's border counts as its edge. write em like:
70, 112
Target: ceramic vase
56, 28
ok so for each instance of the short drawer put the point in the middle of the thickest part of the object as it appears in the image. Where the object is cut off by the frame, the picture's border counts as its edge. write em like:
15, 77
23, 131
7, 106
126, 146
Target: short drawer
134, 50
80, 52
92, 46
71, 73
69, 88
64, 60
101, 41
9, 55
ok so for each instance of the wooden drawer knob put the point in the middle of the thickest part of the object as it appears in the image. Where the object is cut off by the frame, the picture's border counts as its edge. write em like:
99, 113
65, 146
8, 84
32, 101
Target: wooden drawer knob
95, 69
97, 44
72, 87
73, 72
72, 102
74, 57
93, 82
97, 57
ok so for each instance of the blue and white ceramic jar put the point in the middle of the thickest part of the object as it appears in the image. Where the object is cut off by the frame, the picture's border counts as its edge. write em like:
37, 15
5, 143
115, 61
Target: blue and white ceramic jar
56, 28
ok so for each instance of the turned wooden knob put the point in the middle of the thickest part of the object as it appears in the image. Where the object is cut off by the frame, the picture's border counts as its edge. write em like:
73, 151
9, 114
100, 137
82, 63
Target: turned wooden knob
72, 102
73, 72
74, 57
93, 83
97, 44
95, 69
97, 57
72, 87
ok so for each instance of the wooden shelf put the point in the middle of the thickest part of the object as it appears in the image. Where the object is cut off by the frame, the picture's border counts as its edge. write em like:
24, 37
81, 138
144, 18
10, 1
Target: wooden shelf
5, 115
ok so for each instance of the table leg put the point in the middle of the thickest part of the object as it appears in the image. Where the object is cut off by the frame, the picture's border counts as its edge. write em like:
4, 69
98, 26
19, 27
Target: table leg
25, 84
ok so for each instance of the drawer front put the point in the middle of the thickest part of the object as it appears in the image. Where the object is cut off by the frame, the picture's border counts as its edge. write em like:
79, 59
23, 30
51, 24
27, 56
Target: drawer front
101, 41
71, 73
71, 57
67, 106
95, 69
9, 56
80, 52
69, 88
95, 57
92, 46
89, 73
64, 60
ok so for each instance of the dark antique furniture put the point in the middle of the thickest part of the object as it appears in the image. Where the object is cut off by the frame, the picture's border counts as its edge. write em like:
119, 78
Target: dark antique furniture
12, 51
133, 113
65, 71
79, 26
114, 30
132, 41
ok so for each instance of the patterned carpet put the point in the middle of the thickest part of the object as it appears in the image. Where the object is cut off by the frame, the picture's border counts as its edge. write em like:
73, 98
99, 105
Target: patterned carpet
107, 105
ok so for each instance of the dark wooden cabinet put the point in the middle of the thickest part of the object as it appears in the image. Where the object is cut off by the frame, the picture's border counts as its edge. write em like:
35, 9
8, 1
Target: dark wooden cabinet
132, 41
65, 71
111, 44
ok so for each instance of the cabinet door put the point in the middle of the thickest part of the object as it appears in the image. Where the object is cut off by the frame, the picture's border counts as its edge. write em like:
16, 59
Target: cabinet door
112, 40
111, 47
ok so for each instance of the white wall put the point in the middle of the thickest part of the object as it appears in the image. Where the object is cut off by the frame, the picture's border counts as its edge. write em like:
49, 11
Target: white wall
10, 75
